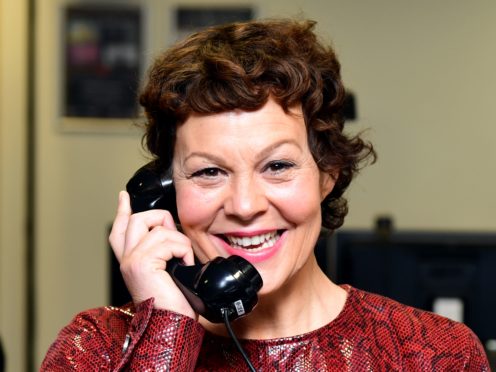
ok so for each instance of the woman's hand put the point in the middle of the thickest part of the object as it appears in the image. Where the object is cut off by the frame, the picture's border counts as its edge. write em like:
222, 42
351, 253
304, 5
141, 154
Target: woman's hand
143, 243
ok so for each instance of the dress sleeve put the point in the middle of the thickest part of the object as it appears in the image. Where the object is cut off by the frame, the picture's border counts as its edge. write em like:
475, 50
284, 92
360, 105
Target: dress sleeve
116, 339
87, 343
167, 341
476, 359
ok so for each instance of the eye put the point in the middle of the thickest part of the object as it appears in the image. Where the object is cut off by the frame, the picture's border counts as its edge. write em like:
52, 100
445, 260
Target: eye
207, 173
278, 166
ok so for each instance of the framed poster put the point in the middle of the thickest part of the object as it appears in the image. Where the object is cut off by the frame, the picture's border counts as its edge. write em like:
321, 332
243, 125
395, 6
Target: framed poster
101, 62
192, 18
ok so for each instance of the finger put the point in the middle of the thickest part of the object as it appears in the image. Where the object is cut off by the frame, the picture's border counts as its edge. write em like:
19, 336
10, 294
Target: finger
117, 237
154, 255
141, 223
189, 258
160, 235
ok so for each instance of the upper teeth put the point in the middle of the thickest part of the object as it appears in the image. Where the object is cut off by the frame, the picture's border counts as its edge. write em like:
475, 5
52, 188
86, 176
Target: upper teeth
266, 240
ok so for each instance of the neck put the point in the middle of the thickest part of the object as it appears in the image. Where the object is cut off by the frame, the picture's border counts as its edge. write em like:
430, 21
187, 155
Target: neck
305, 303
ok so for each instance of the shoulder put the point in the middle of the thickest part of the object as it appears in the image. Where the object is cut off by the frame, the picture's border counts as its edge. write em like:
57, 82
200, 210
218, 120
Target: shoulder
405, 321
418, 338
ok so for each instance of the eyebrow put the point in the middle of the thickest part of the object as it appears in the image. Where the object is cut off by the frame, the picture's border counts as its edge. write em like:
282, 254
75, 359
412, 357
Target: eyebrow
262, 154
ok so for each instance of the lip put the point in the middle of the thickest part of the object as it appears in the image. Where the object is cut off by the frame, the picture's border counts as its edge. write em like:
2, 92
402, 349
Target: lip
253, 257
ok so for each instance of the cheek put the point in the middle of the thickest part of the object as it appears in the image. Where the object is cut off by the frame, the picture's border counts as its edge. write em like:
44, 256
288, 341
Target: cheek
194, 207
298, 202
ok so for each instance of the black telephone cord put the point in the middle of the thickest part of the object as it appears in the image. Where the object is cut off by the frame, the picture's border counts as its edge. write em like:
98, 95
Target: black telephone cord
225, 312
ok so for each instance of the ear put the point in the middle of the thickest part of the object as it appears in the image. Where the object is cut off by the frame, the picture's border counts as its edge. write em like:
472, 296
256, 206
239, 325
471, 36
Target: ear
327, 182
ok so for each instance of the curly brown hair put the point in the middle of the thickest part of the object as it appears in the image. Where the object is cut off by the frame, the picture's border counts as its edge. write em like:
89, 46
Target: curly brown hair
238, 66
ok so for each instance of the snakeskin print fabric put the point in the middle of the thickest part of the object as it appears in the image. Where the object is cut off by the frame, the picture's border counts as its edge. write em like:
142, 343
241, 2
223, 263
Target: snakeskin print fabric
372, 333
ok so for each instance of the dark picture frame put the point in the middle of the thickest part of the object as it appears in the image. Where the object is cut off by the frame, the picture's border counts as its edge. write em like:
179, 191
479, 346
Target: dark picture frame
102, 61
189, 18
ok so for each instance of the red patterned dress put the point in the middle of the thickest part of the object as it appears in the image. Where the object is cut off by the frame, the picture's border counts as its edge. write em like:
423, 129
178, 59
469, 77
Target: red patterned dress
372, 333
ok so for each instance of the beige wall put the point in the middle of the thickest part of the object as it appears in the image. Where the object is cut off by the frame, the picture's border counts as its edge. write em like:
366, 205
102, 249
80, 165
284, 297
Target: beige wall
423, 75
423, 72
80, 171
13, 31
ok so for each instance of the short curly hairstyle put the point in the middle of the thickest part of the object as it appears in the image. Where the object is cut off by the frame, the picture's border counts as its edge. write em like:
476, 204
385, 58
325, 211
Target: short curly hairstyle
241, 65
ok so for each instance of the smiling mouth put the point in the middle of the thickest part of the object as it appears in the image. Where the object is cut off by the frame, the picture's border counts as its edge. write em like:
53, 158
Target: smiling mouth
253, 243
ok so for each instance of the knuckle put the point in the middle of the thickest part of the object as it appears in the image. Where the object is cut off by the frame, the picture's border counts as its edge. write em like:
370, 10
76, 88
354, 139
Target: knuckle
158, 232
134, 218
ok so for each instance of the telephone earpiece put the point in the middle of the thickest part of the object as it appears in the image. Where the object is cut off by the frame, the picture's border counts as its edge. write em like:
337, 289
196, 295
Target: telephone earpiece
219, 286
151, 189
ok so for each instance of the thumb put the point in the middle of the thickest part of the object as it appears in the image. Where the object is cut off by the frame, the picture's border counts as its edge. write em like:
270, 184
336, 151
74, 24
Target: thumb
117, 236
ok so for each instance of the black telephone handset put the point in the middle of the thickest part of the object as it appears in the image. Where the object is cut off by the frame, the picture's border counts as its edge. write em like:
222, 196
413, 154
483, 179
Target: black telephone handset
221, 285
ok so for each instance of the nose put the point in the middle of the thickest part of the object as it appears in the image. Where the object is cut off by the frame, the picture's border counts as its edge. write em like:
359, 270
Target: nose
247, 198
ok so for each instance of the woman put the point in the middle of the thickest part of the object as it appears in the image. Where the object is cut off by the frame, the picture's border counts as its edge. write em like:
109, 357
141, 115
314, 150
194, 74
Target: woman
249, 116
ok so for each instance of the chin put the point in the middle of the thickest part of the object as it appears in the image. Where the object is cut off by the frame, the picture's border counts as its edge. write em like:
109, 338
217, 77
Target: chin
271, 285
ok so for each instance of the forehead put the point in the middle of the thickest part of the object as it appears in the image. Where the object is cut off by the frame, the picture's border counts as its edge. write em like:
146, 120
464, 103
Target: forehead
270, 122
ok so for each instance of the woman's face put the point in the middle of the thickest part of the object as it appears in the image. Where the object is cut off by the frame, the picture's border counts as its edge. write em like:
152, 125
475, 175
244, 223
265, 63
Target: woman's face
247, 185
